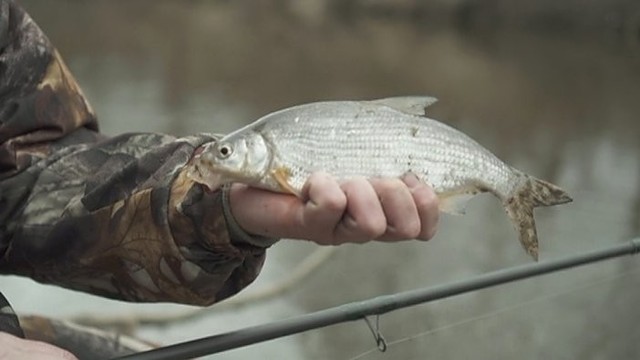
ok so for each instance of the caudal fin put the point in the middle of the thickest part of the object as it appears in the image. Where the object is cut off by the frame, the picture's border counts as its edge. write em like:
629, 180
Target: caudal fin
532, 193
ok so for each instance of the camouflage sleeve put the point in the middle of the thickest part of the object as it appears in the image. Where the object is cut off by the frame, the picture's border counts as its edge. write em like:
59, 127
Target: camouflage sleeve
115, 217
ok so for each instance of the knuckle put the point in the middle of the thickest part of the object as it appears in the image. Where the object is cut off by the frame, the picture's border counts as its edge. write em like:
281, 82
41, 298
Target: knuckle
427, 204
389, 186
429, 232
411, 230
373, 228
407, 229
336, 202
426, 199
355, 180
349, 186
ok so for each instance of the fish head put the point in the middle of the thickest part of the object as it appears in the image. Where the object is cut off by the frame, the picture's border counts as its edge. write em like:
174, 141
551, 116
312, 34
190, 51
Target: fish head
241, 158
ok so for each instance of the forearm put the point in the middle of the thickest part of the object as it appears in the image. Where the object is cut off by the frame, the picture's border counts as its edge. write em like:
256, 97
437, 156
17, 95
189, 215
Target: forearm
110, 216
120, 219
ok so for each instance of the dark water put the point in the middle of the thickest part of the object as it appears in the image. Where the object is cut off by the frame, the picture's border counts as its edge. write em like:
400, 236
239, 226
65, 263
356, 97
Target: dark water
564, 108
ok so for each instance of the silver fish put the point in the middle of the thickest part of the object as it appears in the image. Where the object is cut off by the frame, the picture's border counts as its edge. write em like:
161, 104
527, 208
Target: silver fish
379, 138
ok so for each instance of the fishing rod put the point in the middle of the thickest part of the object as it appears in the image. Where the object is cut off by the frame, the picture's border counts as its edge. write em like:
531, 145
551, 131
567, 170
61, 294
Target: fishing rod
374, 307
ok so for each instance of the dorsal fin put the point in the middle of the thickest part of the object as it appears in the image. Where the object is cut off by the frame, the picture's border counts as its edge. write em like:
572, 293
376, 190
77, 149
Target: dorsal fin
414, 105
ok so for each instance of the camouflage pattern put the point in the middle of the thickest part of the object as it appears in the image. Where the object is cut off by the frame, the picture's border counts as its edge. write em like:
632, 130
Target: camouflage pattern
115, 217
9, 322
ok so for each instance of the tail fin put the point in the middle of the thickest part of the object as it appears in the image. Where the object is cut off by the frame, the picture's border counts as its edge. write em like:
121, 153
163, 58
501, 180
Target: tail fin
519, 206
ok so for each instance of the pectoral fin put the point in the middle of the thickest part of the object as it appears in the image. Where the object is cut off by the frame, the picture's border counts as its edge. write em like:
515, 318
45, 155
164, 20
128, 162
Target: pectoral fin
281, 175
455, 203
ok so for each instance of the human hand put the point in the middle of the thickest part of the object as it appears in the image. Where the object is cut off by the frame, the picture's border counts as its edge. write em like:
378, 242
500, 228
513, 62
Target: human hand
331, 213
15, 348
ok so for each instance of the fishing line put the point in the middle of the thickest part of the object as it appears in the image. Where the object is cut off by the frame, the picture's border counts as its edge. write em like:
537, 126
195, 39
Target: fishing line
501, 311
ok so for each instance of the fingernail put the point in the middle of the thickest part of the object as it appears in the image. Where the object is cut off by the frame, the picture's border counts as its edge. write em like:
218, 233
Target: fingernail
411, 180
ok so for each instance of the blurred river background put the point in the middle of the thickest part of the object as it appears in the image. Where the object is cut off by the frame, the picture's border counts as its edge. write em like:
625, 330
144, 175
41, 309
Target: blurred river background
551, 87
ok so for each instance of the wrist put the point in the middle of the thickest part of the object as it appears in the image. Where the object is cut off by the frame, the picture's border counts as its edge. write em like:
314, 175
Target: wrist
237, 231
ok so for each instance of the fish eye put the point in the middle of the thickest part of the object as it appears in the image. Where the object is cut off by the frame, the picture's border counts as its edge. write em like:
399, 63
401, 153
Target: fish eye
224, 151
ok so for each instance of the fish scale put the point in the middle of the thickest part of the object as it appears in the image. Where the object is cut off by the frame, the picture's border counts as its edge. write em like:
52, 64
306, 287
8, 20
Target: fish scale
379, 138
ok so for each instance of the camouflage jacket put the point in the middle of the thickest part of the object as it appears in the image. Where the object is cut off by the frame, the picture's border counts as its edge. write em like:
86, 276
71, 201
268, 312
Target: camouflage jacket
112, 216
